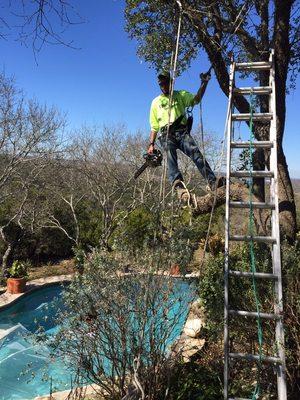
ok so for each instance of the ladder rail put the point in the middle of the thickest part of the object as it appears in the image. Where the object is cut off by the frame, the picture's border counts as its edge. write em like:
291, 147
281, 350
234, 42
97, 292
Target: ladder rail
276, 254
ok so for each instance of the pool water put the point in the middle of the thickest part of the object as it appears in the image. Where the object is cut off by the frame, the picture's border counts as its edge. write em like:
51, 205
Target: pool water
26, 368
35, 309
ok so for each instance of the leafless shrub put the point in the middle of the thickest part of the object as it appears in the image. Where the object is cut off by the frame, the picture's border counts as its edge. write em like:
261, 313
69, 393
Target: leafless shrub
118, 330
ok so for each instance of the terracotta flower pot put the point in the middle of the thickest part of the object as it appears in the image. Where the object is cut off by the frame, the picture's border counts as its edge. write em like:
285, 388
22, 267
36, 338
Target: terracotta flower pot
175, 269
16, 285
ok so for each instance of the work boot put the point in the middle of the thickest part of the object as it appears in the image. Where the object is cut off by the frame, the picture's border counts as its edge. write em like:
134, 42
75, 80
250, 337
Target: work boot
212, 186
182, 192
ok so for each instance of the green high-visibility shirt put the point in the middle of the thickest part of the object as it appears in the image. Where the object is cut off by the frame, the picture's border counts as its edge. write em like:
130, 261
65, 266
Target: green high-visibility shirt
159, 111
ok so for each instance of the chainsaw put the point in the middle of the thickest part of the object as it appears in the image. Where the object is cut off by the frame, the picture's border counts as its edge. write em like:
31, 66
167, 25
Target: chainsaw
151, 160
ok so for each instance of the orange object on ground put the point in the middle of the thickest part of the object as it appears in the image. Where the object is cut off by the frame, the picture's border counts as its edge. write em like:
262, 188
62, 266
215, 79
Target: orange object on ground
16, 285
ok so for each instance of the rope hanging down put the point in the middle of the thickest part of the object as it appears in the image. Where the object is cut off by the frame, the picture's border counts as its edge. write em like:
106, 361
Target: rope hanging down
173, 68
257, 389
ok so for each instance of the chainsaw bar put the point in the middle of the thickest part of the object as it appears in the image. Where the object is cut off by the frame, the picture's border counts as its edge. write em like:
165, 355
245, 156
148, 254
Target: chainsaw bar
141, 170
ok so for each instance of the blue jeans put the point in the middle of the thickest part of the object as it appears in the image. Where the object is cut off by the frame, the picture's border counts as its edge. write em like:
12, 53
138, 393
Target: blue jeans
184, 142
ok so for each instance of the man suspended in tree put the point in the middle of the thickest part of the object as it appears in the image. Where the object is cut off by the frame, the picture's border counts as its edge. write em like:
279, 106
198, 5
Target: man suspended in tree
249, 29
178, 135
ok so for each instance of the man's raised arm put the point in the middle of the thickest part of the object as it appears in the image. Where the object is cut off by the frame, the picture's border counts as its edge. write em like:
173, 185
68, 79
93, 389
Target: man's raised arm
204, 81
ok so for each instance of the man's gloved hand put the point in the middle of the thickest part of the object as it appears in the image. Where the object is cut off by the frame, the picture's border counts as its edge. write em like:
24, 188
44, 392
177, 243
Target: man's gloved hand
205, 77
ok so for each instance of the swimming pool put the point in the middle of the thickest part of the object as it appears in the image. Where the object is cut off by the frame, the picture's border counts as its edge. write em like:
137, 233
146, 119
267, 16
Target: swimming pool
26, 368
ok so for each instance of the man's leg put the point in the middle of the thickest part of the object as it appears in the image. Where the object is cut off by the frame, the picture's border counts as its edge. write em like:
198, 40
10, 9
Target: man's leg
171, 149
175, 176
189, 147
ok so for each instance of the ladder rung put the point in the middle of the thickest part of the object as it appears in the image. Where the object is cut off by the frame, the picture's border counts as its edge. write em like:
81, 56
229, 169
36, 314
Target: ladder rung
245, 238
254, 90
254, 314
255, 117
252, 174
254, 204
254, 357
260, 275
261, 144
254, 66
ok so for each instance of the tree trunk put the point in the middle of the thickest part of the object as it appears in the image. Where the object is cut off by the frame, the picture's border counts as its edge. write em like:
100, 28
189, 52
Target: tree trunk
5, 260
4, 266
287, 207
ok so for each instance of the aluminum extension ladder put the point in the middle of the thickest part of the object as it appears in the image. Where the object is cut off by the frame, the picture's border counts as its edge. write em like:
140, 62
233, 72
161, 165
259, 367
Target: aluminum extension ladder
277, 360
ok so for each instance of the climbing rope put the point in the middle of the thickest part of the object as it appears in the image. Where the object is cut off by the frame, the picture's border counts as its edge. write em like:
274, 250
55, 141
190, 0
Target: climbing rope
173, 68
257, 389
202, 136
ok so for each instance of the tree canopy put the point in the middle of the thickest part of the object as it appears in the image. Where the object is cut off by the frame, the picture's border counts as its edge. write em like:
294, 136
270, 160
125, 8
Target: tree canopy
247, 28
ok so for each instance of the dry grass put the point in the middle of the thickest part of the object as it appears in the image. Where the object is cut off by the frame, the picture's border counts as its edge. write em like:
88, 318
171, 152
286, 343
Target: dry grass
62, 268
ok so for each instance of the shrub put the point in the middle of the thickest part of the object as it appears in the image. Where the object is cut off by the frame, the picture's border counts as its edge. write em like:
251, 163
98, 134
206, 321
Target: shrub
137, 231
194, 381
243, 331
118, 329
291, 305
19, 269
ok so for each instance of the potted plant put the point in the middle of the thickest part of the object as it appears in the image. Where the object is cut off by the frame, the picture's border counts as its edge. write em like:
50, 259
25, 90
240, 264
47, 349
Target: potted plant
16, 283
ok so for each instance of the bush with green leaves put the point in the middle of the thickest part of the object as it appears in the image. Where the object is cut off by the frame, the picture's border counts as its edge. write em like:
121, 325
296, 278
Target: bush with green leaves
137, 231
193, 381
244, 330
291, 305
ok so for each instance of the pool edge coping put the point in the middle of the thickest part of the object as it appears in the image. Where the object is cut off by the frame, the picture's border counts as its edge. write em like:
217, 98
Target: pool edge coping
7, 299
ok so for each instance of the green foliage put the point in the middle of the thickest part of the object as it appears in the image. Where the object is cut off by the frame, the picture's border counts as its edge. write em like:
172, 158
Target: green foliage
137, 231
19, 269
197, 382
242, 297
291, 290
153, 23
195, 231
90, 223
79, 259
241, 290
180, 248
212, 295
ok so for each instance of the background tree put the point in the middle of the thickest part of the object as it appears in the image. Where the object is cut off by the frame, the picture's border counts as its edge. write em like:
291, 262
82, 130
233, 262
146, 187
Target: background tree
249, 30
38, 22
28, 137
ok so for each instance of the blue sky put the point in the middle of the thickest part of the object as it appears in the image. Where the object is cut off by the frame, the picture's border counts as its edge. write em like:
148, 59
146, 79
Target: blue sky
103, 82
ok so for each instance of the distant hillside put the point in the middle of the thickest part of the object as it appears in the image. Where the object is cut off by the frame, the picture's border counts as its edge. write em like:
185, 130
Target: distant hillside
296, 185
